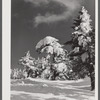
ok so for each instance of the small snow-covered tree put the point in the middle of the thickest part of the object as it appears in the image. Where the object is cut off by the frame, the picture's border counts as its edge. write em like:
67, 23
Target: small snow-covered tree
56, 55
83, 44
29, 65
17, 74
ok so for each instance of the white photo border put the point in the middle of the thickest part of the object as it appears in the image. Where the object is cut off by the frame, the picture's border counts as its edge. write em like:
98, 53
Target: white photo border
6, 48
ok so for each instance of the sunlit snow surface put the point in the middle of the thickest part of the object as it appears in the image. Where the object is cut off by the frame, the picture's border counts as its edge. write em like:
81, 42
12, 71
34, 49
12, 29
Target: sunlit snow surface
38, 89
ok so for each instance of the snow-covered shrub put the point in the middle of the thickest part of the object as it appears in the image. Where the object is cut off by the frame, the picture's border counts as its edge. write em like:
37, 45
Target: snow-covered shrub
46, 73
17, 74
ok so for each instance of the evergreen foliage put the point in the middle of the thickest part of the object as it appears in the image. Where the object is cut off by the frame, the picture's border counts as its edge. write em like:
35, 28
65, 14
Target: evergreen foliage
83, 46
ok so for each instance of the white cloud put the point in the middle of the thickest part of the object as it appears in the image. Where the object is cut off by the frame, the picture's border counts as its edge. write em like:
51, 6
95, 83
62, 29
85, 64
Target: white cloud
71, 6
49, 18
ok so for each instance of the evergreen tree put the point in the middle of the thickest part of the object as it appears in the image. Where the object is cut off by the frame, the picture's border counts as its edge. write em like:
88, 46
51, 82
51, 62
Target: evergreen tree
56, 57
83, 44
29, 65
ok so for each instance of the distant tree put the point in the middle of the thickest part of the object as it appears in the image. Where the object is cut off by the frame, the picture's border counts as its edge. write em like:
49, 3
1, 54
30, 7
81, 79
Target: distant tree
55, 55
83, 45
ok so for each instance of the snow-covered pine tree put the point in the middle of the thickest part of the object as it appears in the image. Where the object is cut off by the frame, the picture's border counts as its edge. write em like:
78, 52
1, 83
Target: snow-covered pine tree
83, 44
56, 56
28, 62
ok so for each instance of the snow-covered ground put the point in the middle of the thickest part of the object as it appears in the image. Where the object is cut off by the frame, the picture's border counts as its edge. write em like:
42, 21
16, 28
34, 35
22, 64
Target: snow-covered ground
38, 89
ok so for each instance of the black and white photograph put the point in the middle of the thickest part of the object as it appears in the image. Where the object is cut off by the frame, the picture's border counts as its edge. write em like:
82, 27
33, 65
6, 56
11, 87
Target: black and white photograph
53, 50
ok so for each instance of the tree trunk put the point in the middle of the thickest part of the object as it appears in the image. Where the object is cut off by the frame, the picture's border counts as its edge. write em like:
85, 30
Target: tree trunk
92, 77
92, 73
92, 82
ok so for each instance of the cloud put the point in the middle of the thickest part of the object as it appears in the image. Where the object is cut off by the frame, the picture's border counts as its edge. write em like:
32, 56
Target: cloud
71, 6
49, 18
37, 2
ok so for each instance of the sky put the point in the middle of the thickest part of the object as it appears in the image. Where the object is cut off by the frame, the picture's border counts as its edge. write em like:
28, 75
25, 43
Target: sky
33, 20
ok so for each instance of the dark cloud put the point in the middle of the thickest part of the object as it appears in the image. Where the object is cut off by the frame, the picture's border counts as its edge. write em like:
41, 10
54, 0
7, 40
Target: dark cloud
71, 6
